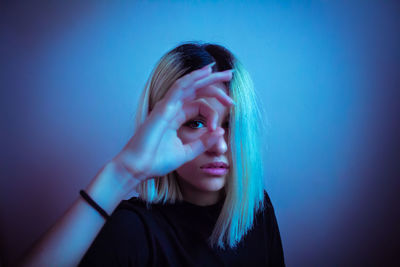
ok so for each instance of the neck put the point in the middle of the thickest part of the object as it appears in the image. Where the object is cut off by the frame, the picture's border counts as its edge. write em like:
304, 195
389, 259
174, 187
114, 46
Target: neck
197, 197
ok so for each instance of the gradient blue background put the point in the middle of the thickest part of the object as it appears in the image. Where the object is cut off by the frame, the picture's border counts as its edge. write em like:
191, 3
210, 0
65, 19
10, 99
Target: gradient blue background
328, 73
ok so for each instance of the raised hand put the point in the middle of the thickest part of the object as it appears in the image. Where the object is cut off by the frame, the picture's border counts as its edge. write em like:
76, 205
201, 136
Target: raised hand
155, 149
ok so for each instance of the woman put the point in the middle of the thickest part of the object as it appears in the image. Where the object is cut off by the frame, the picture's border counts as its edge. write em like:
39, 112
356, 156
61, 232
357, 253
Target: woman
194, 161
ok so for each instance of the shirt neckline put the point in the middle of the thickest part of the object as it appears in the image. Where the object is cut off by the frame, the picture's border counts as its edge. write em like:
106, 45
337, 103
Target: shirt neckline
215, 206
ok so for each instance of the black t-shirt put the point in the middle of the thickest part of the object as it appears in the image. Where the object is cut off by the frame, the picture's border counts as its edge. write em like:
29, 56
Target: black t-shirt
176, 235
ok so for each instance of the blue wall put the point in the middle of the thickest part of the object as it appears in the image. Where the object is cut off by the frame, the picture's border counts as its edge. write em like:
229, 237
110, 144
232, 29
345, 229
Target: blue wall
327, 71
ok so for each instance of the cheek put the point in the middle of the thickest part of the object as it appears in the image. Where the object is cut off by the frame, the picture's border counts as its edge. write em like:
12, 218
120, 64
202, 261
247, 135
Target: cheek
187, 135
187, 169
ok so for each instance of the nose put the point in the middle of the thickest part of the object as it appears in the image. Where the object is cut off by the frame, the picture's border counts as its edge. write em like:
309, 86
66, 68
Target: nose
220, 147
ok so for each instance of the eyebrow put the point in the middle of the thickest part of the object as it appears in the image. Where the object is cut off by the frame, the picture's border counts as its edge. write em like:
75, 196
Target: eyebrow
227, 117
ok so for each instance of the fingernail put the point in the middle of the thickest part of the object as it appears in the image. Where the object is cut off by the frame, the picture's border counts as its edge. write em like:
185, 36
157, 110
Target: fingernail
209, 65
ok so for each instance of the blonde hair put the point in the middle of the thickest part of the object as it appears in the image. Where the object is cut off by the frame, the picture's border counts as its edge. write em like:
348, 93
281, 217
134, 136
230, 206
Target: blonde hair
244, 187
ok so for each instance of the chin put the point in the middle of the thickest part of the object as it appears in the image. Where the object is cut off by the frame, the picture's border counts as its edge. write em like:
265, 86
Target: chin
207, 183
202, 182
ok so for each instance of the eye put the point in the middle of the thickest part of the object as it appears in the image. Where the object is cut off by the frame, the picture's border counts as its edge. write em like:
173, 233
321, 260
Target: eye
194, 122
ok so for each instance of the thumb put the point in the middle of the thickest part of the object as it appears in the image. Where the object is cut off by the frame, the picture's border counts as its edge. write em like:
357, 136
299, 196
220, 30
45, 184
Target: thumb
195, 148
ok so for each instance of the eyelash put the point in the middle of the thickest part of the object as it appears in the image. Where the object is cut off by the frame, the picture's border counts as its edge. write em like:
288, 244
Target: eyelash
188, 123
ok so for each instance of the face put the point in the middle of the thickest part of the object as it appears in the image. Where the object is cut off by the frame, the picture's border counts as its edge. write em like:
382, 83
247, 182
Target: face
197, 186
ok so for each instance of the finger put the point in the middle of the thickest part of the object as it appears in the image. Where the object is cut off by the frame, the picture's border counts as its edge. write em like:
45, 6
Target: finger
218, 93
193, 109
165, 109
184, 82
159, 119
216, 77
185, 87
195, 75
195, 148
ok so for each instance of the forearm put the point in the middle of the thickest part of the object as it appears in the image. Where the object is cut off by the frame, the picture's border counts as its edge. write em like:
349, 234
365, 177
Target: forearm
66, 242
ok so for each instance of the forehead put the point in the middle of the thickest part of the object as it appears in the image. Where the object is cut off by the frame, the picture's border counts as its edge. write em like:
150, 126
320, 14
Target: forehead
222, 110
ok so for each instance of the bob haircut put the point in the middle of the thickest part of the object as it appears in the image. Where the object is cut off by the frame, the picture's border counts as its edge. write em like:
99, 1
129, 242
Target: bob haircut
244, 187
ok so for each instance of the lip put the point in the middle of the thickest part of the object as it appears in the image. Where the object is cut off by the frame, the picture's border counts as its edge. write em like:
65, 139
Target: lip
216, 165
215, 171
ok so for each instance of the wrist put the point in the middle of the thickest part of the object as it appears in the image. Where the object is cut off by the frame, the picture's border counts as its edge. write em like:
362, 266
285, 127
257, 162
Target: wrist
110, 186
127, 163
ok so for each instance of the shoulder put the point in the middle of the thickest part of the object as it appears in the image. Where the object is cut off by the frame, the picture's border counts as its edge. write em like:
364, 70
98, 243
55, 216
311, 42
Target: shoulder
126, 222
268, 211
276, 257
123, 238
129, 214
267, 201
133, 204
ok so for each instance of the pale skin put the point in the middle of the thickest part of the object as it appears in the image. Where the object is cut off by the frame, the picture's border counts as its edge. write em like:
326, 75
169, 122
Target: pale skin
196, 187
154, 150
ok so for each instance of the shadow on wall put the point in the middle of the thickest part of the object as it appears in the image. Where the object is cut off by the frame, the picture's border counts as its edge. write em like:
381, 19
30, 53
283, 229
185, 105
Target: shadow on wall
25, 27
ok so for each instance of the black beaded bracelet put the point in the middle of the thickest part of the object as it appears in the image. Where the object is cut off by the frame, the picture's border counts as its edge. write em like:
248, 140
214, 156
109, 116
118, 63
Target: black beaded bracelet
94, 204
